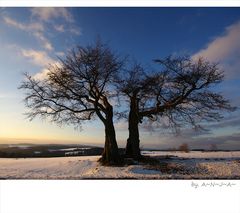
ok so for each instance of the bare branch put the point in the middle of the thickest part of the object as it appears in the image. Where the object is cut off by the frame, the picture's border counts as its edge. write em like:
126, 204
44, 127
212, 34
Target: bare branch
76, 89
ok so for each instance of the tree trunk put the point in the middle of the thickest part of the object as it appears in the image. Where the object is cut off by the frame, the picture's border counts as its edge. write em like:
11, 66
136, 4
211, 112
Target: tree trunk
132, 148
110, 155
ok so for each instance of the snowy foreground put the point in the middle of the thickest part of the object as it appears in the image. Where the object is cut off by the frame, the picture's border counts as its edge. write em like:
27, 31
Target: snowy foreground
172, 165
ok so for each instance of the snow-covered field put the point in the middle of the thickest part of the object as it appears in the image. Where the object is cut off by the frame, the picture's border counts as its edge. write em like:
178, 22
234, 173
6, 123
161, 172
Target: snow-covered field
172, 165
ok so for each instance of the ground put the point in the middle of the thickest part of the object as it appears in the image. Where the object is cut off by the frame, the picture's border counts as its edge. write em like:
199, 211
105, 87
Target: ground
161, 165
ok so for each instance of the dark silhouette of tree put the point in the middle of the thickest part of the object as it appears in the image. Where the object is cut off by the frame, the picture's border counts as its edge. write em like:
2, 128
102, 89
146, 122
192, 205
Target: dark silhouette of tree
178, 95
77, 90
184, 147
213, 147
136, 85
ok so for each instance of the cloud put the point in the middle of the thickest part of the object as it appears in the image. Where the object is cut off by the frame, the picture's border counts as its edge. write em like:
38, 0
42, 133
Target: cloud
75, 31
59, 28
22, 26
44, 72
48, 13
41, 19
61, 54
41, 75
231, 122
222, 142
35, 28
47, 45
224, 49
39, 58
165, 142
195, 139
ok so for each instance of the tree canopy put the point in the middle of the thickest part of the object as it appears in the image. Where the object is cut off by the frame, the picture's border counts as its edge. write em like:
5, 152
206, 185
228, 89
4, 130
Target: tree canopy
77, 90
179, 94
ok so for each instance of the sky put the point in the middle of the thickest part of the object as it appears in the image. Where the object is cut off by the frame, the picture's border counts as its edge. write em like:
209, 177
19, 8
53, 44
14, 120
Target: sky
31, 38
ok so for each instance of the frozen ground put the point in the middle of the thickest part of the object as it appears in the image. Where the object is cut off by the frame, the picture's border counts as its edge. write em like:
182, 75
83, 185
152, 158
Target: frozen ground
172, 165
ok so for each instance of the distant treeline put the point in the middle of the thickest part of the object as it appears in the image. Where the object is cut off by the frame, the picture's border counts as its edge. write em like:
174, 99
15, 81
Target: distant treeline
38, 151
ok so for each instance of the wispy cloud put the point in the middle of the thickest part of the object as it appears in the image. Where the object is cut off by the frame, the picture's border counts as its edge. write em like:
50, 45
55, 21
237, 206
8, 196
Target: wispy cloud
227, 122
39, 58
59, 28
35, 28
75, 30
41, 75
60, 54
223, 45
59, 19
44, 72
222, 142
225, 49
41, 20
48, 13
46, 43
23, 26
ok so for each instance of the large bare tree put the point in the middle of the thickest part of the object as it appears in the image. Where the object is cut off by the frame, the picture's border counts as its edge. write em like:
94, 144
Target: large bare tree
179, 94
76, 90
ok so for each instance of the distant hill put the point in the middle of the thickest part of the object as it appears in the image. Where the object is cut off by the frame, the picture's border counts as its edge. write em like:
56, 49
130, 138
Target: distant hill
46, 150
26, 150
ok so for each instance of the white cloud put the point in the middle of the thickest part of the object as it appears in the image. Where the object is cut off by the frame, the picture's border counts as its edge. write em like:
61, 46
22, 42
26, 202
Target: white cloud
61, 54
41, 75
59, 28
223, 45
48, 13
75, 31
42, 17
46, 44
26, 27
39, 58
44, 72
35, 28
224, 49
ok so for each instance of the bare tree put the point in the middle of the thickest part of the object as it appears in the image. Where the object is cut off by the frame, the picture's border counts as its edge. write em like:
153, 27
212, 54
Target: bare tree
136, 85
213, 147
184, 147
78, 90
178, 95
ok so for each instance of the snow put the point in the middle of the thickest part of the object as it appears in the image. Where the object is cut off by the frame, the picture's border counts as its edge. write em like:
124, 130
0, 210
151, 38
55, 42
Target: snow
195, 154
144, 171
201, 165
73, 153
19, 146
68, 149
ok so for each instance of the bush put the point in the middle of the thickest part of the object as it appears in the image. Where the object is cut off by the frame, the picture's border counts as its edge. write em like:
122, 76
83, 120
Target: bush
213, 147
184, 148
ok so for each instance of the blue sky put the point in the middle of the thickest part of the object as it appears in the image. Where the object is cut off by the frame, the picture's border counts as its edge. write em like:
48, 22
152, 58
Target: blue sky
31, 38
